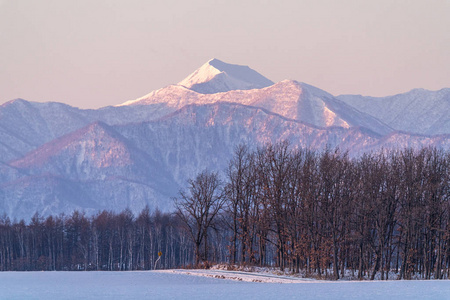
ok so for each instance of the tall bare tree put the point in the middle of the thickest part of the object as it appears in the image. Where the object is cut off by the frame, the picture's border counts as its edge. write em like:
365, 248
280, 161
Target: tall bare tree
198, 208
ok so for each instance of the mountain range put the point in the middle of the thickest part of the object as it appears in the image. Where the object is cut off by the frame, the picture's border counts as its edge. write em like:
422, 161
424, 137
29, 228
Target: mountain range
55, 158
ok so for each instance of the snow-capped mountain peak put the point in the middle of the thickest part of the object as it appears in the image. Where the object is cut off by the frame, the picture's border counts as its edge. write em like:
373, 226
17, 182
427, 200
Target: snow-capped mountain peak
203, 74
216, 76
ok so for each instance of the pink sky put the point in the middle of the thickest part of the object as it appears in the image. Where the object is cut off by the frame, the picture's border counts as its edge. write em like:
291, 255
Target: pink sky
96, 53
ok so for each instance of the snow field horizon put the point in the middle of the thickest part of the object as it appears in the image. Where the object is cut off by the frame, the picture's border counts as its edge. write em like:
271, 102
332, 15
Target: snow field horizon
160, 285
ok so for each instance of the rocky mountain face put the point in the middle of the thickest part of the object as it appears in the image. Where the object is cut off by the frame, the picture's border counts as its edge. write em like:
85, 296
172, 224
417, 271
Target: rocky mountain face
55, 158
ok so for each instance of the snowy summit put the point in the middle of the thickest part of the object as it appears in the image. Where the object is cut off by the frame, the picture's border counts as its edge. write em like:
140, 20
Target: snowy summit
216, 76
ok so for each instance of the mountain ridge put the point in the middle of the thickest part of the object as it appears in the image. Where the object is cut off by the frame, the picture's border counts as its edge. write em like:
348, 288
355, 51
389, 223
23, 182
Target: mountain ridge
55, 158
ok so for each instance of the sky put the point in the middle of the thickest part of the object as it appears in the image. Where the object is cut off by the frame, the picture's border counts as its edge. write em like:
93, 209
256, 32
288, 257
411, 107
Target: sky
95, 53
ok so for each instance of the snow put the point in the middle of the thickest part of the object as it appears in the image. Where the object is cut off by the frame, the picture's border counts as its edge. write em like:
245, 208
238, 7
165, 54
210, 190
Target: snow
203, 74
241, 276
216, 76
419, 111
167, 285
243, 73
218, 81
288, 98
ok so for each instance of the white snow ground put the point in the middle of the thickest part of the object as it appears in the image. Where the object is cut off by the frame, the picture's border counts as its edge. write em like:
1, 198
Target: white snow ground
175, 285
241, 276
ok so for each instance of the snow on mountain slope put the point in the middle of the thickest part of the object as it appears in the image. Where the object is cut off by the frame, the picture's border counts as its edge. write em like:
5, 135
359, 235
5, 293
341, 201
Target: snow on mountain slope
216, 76
204, 136
131, 165
25, 125
309, 104
173, 96
401, 140
92, 168
8, 173
94, 152
196, 137
94, 146
418, 111
288, 98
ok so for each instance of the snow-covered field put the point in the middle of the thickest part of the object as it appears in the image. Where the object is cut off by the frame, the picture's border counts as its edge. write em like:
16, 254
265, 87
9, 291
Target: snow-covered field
179, 284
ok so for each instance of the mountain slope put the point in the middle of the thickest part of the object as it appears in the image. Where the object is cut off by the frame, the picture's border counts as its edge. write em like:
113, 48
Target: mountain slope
196, 137
288, 98
138, 164
92, 168
418, 111
26, 125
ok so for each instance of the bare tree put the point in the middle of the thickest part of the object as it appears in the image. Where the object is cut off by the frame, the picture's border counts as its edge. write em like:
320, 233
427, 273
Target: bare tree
198, 208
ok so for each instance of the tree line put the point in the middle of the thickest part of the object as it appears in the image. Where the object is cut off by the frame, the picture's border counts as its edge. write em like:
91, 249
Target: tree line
325, 213
105, 241
322, 213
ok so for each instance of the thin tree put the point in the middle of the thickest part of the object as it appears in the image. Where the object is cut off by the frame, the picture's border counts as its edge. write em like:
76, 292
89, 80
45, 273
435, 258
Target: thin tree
198, 207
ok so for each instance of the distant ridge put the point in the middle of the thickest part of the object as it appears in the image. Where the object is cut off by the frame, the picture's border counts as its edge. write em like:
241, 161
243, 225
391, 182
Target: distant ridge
419, 110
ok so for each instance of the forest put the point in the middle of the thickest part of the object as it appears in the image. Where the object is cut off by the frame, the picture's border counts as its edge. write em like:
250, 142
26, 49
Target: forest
318, 212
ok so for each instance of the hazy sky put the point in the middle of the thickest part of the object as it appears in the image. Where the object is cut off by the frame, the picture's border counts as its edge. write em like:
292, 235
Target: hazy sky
93, 53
